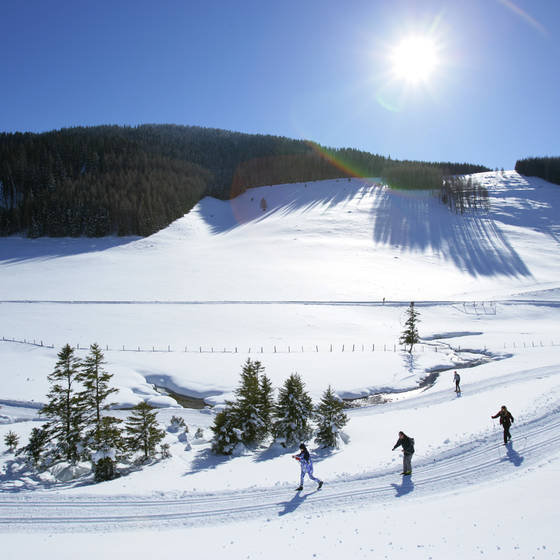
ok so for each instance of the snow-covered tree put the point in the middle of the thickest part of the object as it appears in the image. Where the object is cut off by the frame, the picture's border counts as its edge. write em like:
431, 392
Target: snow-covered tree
108, 446
330, 418
177, 423
292, 413
142, 430
11, 439
247, 407
95, 381
266, 404
410, 335
65, 410
227, 434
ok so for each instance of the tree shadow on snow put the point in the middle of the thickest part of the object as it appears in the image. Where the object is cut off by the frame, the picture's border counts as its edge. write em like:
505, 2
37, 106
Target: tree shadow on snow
513, 456
405, 487
473, 242
224, 216
20, 249
204, 460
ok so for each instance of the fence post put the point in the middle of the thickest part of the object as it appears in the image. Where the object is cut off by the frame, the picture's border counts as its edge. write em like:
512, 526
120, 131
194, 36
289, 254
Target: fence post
275, 348
169, 348
343, 347
331, 348
373, 347
317, 347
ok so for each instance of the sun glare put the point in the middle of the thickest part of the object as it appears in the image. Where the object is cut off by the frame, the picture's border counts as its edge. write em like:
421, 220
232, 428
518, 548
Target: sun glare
414, 59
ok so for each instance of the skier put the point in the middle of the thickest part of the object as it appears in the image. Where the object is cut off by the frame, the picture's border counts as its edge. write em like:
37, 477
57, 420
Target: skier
457, 379
306, 467
506, 420
408, 450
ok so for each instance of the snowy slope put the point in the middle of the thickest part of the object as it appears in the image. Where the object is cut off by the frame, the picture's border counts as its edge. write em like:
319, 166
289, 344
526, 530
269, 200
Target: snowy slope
332, 240
300, 287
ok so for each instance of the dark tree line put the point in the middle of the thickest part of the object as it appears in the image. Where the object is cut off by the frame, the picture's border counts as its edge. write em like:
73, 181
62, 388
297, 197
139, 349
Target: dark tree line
104, 180
547, 168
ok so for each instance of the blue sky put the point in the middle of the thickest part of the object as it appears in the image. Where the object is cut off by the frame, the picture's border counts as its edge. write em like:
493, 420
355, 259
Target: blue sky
319, 70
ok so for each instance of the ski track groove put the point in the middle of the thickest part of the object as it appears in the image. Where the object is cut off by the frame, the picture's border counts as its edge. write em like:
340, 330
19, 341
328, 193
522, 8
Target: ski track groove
449, 471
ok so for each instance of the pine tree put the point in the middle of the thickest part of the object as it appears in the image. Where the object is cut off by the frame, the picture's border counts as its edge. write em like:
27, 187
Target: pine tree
410, 334
35, 449
11, 439
266, 405
95, 380
331, 418
142, 429
293, 411
109, 446
248, 404
226, 432
65, 410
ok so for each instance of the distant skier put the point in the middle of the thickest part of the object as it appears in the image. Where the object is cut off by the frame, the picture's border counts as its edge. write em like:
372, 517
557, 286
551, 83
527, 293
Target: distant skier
407, 444
506, 420
457, 379
306, 467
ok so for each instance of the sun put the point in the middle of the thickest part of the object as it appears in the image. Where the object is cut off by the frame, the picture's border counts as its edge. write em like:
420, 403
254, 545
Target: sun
414, 59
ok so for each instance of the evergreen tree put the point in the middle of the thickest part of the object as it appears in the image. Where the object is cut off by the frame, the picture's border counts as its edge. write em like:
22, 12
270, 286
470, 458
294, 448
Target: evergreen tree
410, 334
248, 404
11, 439
266, 405
65, 410
331, 418
35, 449
95, 380
293, 411
142, 429
109, 446
226, 432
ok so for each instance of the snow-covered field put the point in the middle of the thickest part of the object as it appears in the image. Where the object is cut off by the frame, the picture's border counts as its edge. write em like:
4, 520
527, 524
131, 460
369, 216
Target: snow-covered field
318, 284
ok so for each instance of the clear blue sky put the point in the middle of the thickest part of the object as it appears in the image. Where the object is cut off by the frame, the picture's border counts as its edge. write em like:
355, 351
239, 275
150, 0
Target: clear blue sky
313, 69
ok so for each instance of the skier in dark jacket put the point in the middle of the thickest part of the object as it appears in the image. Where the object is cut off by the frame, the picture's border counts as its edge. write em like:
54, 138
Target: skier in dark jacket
457, 379
506, 420
407, 444
306, 467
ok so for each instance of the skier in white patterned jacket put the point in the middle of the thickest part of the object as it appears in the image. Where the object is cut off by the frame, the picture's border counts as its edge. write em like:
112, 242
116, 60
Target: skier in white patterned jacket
306, 467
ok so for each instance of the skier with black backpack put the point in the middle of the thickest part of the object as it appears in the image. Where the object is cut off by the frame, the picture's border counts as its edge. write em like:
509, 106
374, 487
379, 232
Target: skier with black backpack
506, 420
407, 444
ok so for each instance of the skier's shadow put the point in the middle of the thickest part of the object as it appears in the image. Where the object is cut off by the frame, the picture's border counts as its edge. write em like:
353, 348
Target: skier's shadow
513, 456
291, 505
405, 487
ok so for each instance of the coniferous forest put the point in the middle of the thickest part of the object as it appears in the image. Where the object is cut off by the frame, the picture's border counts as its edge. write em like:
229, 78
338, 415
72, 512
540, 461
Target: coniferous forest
114, 180
547, 168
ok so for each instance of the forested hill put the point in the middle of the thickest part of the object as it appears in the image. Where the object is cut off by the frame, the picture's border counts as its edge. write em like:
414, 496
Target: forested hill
104, 180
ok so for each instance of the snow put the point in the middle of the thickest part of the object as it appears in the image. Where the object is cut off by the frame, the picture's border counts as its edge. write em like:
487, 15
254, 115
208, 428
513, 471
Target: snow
318, 285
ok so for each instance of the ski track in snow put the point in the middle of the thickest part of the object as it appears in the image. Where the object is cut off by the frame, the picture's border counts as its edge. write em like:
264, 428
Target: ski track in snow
484, 459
